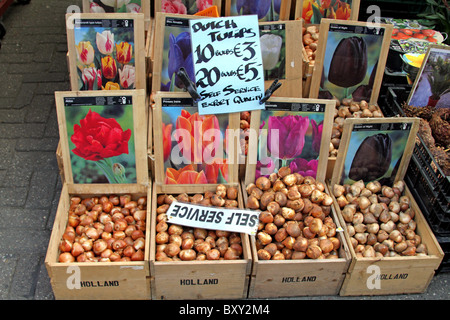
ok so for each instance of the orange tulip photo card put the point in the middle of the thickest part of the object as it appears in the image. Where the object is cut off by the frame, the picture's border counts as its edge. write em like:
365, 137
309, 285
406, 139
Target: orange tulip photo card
375, 149
350, 60
106, 51
312, 11
267, 10
186, 6
290, 132
118, 6
193, 150
103, 136
280, 46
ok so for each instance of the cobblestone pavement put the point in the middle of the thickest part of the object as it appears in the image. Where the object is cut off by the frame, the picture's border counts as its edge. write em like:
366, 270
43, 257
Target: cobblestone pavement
32, 66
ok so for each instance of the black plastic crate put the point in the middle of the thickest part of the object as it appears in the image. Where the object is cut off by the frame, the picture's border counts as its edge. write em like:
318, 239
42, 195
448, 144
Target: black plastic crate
429, 185
444, 242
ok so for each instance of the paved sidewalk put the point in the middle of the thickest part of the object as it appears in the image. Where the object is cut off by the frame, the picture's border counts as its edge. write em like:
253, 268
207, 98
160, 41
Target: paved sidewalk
32, 67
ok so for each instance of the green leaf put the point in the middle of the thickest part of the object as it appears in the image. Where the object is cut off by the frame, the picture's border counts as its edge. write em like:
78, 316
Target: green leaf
317, 15
220, 178
172, 83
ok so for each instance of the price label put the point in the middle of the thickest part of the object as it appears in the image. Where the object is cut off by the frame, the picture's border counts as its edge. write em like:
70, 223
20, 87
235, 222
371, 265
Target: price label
228, 64
213, 218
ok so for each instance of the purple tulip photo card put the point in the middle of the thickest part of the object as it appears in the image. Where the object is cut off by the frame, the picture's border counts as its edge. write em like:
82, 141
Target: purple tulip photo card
173, 50
106, 51
350, 60
103, 136
290, 132
266, 10
279, 49
374, 149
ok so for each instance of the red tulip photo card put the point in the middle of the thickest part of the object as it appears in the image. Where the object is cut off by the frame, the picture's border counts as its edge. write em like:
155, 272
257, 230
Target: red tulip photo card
375, 150
290, 132
189, 148
106, 51
350, 60
100, 139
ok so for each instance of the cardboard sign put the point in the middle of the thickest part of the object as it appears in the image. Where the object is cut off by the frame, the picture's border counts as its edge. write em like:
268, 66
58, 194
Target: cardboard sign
213, 218
228, 64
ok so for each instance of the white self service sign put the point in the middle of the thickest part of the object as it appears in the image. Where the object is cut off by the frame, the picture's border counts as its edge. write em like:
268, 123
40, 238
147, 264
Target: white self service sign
213, 218
228, 64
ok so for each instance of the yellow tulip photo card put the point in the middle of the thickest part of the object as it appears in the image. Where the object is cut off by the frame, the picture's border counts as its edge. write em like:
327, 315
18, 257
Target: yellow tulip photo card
106, 51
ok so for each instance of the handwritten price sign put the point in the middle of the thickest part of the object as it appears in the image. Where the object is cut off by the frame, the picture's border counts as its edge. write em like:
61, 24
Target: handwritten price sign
228, 64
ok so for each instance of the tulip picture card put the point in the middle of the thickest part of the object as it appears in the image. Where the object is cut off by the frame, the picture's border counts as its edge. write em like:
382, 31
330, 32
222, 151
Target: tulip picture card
375, 149
118, 6
186, 6
290, 132
228, 66
173, 51
103, 136
194, 149
279, 50
265, 10
350, 60
312, 11
106, 51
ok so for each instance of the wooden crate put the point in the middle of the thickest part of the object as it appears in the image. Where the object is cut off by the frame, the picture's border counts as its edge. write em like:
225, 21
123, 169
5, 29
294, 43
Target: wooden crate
397, 275
98, 280
225, 279
294, 278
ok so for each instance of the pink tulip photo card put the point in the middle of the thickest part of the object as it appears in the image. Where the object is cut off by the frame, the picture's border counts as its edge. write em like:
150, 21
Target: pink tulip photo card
290, 132
103, 136
106, 51
267, 10
186, 6
350, 60
118, 6
191, 149
280, 47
